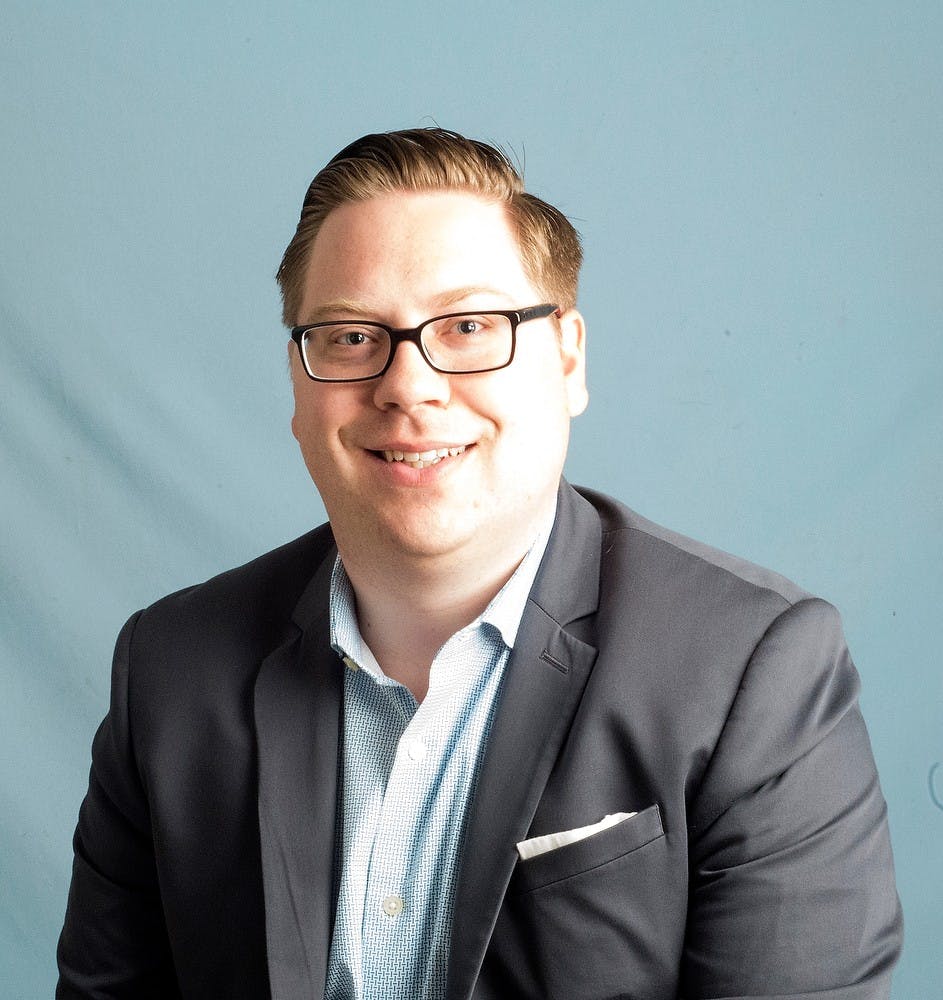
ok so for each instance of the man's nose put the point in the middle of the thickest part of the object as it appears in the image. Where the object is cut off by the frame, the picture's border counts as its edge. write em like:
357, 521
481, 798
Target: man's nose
410, 381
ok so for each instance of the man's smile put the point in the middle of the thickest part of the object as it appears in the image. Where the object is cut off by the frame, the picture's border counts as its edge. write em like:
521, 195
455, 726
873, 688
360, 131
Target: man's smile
422, 459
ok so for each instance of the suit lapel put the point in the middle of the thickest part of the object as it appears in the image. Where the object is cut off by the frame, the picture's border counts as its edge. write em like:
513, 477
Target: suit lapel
544, 680
298, 704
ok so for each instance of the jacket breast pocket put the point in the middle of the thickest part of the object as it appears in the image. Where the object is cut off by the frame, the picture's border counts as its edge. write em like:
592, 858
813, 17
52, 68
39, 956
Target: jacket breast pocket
592, 852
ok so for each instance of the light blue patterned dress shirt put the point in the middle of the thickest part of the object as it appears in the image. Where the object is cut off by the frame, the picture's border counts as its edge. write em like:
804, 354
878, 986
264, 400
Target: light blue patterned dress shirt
408, 773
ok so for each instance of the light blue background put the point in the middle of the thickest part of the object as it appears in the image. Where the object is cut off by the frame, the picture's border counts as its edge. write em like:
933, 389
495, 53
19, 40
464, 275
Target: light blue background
760, 189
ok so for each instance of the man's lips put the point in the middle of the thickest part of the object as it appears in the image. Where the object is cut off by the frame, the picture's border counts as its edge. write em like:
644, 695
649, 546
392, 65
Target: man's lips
419, 459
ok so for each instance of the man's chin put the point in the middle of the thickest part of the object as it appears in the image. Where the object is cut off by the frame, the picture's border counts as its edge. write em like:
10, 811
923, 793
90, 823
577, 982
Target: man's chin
421, 538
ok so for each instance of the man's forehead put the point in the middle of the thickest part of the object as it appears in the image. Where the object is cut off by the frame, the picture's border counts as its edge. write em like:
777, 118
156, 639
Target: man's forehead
438, 249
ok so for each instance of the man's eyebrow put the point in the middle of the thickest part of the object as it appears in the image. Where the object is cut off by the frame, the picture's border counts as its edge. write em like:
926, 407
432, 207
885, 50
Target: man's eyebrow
339, 308
455, 295
350, 308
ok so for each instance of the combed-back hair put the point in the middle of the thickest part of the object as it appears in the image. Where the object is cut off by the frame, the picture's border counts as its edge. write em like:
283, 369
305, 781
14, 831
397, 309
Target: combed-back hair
435, 159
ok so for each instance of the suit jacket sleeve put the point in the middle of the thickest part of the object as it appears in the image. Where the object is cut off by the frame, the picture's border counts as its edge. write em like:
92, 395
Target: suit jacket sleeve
114, 941
792, 886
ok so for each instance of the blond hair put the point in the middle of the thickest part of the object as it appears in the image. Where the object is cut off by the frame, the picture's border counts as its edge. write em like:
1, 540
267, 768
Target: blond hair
435, 159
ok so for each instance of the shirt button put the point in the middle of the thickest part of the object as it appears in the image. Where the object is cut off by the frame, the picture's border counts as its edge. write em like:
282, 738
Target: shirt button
416, 749
392, 906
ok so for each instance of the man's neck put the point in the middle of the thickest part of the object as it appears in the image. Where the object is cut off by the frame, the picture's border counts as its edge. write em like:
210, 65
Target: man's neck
408, 608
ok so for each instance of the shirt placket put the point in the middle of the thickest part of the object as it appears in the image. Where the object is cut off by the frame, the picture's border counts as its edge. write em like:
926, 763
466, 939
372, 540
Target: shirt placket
394, 918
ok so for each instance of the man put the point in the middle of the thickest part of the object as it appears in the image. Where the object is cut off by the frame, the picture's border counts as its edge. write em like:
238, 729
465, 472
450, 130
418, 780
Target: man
484, 735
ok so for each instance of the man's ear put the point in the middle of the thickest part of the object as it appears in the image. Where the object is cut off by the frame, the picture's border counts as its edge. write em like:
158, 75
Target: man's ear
573, 353
297, 375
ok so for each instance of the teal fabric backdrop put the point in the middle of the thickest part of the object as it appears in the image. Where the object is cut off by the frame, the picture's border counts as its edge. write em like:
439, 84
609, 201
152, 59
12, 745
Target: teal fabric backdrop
760, 189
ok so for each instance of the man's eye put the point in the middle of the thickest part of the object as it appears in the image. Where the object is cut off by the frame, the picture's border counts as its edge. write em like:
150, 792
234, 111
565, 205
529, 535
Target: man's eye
467, 326
351, 336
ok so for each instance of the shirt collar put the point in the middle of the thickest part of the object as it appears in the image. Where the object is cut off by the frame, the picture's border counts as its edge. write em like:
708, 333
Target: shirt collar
507, 606
504, 612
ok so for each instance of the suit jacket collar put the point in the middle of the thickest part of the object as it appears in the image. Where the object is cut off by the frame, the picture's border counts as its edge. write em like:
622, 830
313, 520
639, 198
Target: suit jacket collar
567, 585
543, 683
298, 706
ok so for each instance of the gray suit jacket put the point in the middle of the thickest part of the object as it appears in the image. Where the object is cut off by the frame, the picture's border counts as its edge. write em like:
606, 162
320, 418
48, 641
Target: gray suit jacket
651, 675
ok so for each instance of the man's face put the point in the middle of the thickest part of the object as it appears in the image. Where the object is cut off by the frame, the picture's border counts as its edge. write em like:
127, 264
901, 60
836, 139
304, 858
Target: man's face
401, 259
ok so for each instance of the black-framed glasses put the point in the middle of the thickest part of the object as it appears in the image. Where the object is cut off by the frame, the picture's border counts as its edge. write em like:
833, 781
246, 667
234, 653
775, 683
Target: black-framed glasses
464, 343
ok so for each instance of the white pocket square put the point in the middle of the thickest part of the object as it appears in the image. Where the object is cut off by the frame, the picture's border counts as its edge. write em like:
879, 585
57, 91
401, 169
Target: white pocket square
551, 841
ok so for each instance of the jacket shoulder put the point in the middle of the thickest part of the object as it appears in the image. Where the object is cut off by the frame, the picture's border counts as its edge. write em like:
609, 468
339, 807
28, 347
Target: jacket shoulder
249, 604
650, 545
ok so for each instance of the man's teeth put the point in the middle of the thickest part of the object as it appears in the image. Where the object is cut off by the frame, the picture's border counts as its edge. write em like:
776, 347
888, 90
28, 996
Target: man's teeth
420, 459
